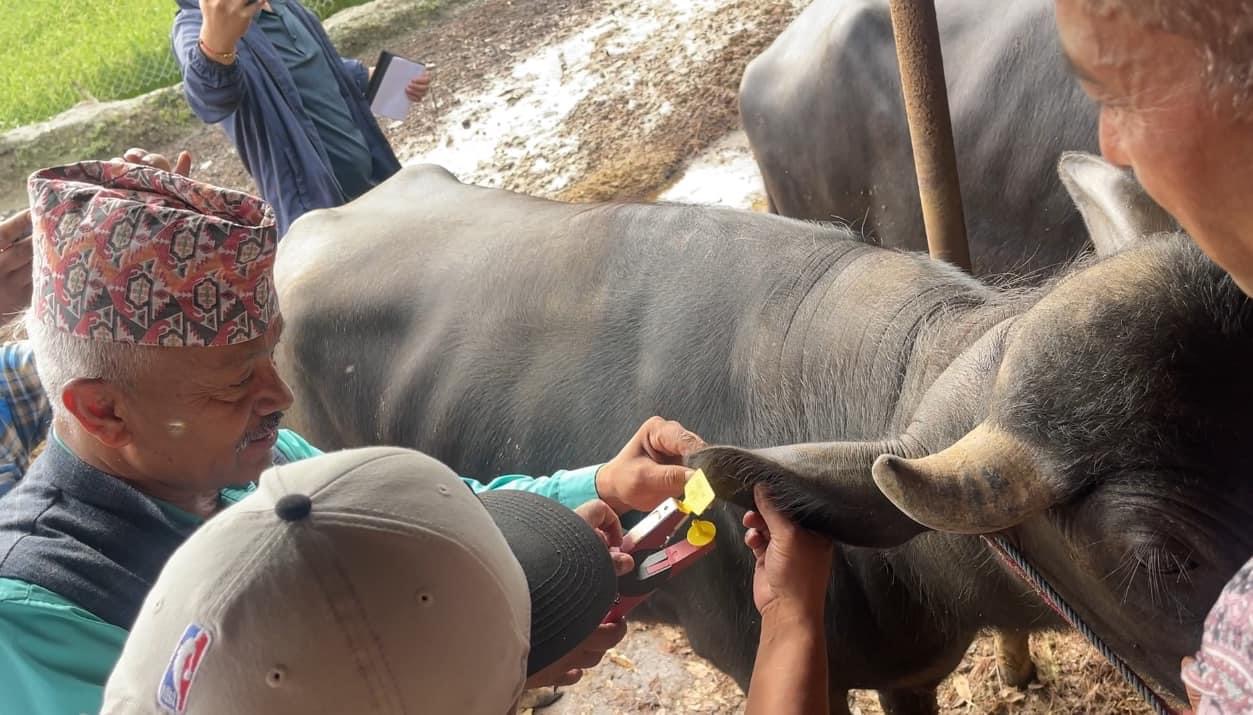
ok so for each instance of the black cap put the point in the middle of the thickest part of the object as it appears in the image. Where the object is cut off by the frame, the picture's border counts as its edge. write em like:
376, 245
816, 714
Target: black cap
567, 567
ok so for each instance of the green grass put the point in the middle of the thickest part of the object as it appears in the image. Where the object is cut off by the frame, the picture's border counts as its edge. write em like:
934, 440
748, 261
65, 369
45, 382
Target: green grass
55, 54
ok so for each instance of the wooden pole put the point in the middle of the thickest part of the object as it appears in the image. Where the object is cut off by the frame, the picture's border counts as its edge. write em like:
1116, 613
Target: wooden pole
930, 128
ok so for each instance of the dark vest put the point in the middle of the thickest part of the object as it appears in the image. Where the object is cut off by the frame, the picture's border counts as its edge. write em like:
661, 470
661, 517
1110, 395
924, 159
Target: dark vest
85, 535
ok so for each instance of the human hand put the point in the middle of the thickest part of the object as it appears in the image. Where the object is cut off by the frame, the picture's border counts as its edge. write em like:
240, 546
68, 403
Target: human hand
649, 468
569, 670
225, 21
793, 564
1194, 698
601, 517
15, 270
417, 87
135, 155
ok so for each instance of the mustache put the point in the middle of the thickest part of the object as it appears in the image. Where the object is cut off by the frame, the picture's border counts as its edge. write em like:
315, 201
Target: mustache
268, 424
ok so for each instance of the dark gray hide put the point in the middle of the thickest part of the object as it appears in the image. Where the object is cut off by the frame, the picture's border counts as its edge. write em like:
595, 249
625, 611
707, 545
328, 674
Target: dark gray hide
503, 333
823, 110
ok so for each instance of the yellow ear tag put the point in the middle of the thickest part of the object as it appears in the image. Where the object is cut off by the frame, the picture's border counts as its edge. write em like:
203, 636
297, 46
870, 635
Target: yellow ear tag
701, 532
697, 494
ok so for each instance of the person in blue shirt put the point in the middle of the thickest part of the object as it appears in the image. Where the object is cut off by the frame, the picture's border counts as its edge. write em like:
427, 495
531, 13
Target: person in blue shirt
153, 327
295, 110
24, 410
25, 414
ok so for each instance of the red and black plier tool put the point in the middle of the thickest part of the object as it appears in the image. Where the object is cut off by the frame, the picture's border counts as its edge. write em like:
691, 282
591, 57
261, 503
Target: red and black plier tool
655, 563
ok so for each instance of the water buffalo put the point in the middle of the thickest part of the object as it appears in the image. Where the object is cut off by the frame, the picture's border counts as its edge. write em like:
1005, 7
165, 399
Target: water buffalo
823, 111
1097, 421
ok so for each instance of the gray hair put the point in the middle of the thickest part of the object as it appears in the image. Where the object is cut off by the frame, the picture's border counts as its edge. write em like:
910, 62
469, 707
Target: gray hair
1222, 31
61, 358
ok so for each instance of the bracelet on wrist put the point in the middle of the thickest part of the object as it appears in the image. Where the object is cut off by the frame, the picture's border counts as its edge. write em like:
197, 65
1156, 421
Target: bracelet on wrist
225, 58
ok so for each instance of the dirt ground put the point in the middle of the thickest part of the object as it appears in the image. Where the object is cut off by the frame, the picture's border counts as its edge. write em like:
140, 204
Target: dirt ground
614, 99
654, 671
603, 99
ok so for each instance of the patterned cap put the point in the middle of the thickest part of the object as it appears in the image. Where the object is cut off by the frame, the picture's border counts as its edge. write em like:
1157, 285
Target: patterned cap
132, 254
1223, 671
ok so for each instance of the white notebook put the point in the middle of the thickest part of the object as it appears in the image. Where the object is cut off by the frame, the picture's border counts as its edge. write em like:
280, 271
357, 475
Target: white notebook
387, 87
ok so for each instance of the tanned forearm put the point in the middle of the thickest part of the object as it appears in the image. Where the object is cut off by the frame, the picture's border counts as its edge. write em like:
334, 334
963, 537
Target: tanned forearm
790, 674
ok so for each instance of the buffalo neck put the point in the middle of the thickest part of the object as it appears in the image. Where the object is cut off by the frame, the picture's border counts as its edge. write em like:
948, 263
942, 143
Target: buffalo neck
870, 339
874, 332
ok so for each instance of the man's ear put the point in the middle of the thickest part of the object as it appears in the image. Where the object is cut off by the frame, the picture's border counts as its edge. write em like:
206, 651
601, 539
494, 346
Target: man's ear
1115, 208
94, 403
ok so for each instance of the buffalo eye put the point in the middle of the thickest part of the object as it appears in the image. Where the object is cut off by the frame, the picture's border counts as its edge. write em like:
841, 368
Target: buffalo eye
1166, 559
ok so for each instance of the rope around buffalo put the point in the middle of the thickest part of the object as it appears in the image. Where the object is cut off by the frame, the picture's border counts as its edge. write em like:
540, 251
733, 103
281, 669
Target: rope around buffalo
1019, 565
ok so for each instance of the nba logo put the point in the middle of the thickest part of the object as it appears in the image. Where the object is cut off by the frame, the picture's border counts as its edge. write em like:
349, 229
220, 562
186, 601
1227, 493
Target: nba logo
179, 674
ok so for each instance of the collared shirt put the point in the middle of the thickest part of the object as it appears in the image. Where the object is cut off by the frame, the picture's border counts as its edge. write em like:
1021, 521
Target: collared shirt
55, 657
25, 413
320, 96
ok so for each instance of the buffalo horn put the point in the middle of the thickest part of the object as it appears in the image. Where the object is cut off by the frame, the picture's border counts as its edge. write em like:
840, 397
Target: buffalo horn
986, 482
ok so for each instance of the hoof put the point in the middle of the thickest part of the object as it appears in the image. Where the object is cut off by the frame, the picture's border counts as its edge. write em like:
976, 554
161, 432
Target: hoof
1016, 675
1013, 659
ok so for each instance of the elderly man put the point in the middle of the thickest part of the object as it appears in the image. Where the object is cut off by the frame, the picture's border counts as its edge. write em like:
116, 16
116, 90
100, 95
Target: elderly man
154, 325
25, 414
1174, 83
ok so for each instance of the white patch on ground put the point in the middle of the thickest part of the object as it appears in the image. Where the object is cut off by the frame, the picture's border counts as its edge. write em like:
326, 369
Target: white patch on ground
725, 174
523, 113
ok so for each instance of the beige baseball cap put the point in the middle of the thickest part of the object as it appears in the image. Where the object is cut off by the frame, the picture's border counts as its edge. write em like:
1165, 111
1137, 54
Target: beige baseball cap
363, 581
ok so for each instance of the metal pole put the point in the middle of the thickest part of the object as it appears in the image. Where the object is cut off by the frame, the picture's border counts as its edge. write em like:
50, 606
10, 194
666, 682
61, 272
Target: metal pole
930, 128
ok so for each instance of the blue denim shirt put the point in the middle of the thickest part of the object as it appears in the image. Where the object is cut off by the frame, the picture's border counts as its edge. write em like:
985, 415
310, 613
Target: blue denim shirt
258, 105
312, 71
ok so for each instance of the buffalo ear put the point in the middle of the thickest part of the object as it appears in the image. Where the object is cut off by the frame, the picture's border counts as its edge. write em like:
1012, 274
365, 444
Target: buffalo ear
824, 487
1115, 208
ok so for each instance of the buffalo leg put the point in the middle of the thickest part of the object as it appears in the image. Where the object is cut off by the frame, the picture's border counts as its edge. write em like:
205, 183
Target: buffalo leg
909, 702
1013, 658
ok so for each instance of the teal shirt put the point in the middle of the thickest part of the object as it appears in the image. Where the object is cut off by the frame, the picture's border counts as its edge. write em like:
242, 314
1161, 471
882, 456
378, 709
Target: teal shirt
56, 657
